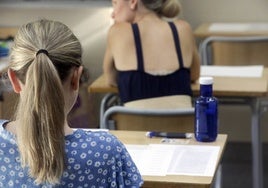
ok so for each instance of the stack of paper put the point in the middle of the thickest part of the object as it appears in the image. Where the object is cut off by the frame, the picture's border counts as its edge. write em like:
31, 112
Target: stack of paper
232, 71
177, 159
238, 27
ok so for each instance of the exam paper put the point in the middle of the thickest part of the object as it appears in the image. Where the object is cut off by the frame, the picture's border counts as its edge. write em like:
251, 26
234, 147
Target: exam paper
238, 27
151, 160
194, 160
232, 71
162, 159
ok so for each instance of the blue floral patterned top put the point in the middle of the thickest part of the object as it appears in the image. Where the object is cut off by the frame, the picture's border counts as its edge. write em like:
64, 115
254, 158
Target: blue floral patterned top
94, 160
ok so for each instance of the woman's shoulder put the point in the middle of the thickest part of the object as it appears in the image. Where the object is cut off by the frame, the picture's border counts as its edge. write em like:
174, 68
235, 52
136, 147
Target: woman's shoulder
122, 29
120, 34
185, 30
96, 141
120, 26
90, 135
183, 24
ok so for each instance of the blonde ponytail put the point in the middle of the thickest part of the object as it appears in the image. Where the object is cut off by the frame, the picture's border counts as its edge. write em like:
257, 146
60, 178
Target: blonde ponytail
41, 110
41, 113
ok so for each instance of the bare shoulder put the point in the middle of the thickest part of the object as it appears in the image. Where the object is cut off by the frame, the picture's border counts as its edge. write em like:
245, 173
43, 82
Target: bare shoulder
183, 25
119, 30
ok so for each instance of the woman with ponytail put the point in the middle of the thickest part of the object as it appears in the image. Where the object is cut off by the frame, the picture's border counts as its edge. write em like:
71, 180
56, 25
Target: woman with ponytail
38, 148
148, 56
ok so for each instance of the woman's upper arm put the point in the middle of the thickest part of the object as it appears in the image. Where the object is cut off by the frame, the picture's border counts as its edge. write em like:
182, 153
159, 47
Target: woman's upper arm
195, 67
195, 64
109, 69
192, 52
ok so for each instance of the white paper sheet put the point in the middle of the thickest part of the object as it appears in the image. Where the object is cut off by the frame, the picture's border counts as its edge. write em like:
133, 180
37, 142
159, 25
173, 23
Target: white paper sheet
232, 71
151, 161
238, 27
194, 160
163, 159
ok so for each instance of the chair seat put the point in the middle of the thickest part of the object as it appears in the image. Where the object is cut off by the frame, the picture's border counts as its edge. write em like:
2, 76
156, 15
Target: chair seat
170, 114
167, 102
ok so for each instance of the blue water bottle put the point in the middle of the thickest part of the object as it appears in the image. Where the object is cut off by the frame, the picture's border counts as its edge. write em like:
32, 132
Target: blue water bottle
206, 112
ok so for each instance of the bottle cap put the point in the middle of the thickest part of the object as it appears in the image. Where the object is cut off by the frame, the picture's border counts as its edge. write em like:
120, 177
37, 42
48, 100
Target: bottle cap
206, 80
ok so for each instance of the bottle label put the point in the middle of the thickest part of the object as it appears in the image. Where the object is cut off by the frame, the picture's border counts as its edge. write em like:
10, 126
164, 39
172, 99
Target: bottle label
206, 119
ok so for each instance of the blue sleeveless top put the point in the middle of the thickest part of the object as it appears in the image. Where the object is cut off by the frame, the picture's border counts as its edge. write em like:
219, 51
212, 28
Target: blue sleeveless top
94, 159
137, 84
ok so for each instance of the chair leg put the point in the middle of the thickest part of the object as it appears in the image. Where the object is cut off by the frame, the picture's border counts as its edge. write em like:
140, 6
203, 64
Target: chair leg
218, 177
108, 100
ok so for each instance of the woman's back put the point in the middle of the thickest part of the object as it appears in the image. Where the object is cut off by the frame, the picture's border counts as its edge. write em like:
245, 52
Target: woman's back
160, 50
158, 46
140, 84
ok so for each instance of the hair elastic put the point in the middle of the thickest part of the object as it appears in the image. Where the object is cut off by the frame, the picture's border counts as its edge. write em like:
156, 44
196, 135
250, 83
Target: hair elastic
42, 51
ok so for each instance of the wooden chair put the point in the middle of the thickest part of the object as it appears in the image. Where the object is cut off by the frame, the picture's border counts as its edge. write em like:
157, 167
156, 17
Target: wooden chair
172, 113
234, 50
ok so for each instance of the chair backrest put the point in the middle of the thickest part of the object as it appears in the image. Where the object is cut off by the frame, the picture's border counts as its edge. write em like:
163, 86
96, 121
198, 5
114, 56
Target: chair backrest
234, 50
148, 118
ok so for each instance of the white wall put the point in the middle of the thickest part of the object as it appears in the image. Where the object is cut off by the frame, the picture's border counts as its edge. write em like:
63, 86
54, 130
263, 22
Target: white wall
200, 11
90, 24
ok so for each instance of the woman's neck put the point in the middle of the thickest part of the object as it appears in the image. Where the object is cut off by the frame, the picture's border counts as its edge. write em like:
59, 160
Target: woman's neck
145, 15
11, 127
67, 129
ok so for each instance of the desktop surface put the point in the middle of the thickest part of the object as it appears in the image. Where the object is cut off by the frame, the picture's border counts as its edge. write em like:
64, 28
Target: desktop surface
223, 86
183, 181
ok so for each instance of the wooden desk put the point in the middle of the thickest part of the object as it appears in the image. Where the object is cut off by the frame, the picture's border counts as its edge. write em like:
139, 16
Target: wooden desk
222, 87
138, 137
249, 91
236, 53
